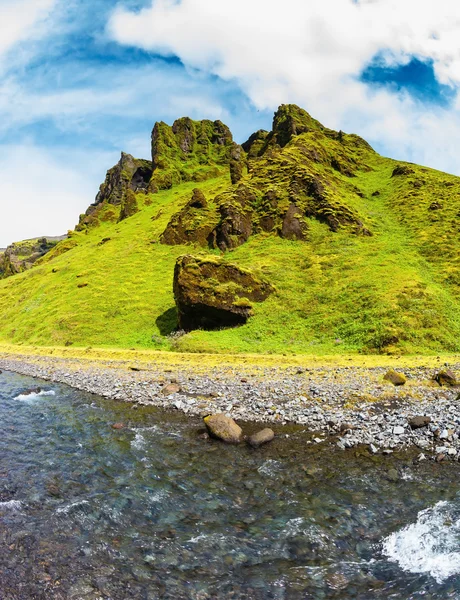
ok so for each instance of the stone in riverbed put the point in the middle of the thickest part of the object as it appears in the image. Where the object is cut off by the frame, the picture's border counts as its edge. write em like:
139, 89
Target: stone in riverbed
446, 378
223, 428
118, 426
393, 475
395, 378
419, 422
171, 388
261, 437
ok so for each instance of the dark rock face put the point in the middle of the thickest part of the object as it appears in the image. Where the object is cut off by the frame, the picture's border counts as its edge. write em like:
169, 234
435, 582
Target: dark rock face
290, 121
21, 256
236, 218
128, 177
294, 226
255, 143
212, 294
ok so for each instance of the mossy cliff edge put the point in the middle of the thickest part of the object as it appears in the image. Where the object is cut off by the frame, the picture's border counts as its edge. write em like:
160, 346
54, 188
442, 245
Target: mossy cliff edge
361, 250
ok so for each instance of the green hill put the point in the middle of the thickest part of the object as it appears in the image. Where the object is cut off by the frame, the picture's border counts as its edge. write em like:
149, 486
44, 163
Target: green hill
361, 250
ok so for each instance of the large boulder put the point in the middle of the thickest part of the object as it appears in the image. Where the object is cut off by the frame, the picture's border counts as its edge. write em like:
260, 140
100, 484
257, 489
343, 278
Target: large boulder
223, 428
211, 293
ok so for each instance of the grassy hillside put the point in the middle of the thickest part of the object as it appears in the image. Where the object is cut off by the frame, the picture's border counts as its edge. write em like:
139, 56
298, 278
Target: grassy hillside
372, 268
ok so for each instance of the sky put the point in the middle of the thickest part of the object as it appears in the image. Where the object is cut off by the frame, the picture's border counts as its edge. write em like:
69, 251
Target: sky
83, 80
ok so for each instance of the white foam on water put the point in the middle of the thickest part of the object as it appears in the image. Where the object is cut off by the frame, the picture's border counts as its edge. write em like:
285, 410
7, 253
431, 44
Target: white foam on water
35, 395
13, 505
431, 545
68, 508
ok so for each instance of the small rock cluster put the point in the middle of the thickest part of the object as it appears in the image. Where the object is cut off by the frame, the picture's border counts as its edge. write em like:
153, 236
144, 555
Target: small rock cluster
226, 429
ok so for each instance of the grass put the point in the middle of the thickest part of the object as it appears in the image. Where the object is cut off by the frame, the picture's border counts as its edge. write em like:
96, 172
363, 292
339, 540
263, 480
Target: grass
396, 292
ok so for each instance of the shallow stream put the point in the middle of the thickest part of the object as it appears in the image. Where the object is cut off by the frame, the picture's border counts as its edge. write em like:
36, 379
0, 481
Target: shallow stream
154, 511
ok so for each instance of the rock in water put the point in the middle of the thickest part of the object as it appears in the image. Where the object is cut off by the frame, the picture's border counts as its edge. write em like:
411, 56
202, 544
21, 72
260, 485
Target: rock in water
395, 378
446, 378
261, 437
223, 428
419, 422
211, 293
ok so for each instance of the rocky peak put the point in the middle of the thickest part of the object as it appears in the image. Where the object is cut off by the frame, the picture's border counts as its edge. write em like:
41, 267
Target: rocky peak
128, 177
290, 121
190, 151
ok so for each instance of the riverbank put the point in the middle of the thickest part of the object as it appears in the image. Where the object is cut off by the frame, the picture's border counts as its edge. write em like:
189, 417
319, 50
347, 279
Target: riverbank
344, 400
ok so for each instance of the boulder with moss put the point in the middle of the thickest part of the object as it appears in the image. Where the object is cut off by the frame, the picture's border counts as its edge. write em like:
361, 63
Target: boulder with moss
213, 294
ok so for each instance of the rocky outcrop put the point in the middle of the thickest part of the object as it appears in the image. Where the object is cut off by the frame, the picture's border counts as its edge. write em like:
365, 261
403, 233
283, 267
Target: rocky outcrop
190, 151
194, 223
128, 177
280, 181
20, 256
213, 294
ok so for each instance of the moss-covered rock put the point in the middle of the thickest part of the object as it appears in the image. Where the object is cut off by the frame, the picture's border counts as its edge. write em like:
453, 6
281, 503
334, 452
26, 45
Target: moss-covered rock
213, 294
293, 175
21, 256
129, 206
193, 224
190, 151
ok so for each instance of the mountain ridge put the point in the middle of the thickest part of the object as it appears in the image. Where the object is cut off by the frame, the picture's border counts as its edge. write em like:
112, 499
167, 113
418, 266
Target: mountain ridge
361, 249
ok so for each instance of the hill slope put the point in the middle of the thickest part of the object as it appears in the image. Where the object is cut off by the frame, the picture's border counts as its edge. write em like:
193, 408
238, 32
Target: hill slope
362, 250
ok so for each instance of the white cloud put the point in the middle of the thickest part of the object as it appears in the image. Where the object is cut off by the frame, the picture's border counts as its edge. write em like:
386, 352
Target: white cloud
17, 18
311, 52
43, 195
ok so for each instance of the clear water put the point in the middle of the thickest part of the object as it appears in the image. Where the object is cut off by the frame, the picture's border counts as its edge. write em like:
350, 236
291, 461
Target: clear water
154, 511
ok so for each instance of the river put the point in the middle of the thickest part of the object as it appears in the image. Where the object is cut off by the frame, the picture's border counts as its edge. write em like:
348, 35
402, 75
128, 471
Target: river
152, 510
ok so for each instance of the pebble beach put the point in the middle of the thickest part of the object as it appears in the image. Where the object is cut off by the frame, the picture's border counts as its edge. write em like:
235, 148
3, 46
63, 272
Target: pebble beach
347, 407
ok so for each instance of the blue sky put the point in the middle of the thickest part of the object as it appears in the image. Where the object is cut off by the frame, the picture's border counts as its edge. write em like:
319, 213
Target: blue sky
82, 80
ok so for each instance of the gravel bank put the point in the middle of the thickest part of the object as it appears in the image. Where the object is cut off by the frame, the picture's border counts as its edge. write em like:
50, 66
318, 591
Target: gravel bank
346, 406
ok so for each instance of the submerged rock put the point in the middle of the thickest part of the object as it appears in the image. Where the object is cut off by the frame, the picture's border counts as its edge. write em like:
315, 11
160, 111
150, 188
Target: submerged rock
261, 437
223, 428
212, 294
395, 378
